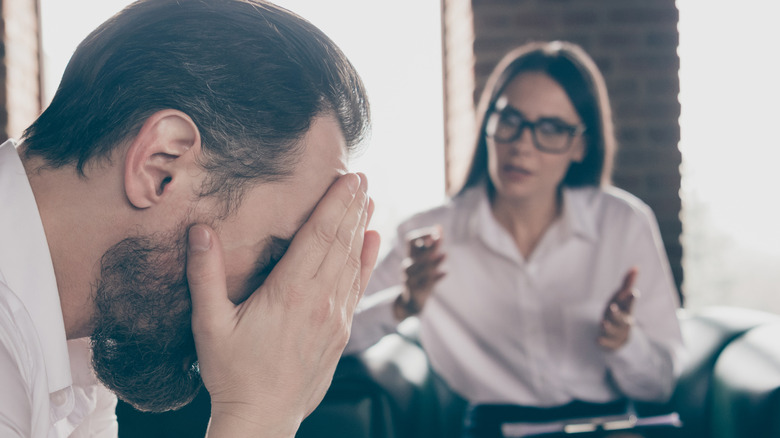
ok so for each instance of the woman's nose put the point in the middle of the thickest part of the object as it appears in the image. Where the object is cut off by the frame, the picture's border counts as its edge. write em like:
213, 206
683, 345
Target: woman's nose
525, 142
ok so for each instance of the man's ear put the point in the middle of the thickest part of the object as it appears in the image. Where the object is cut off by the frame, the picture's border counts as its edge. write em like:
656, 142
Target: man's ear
157, 159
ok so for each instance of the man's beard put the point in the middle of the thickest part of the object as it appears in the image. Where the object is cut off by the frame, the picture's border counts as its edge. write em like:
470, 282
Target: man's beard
142, 344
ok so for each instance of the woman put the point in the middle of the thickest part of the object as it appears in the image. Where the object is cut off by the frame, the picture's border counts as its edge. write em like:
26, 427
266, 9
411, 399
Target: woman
542, 291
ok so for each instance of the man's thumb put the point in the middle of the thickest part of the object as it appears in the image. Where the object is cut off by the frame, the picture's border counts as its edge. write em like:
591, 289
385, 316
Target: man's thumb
206, 278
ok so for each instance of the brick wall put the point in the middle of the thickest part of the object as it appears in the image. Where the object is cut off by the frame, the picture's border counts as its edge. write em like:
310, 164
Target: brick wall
634, 42
20, 93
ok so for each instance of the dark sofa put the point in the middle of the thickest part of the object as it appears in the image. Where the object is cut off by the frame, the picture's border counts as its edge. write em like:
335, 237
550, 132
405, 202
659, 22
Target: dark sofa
730, 388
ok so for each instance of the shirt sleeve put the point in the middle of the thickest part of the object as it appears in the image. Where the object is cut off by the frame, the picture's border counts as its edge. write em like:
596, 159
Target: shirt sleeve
647, 366
15, 404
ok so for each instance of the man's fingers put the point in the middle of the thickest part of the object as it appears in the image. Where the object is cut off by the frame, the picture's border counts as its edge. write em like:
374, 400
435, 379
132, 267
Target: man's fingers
206, 278
370, 211
344, 254
338, 250
368, 257
348, 273
315, 238
370, 251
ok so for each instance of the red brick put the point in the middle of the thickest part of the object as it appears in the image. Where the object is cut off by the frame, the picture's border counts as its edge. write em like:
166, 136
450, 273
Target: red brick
666, 209
648, 110
663, 39
624, 86
580, 18
533, 20
506, 3
618, 40
664, 134
644, 15
665, 182
492, 21
651, 63
604, 63
663, 86
628, 135
630, 181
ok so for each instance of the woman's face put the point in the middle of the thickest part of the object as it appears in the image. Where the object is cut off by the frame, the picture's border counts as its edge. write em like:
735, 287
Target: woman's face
518, 169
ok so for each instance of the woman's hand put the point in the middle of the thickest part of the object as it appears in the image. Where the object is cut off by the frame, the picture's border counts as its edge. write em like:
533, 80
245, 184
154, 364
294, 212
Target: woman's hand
618, 320
268, 361
421, 270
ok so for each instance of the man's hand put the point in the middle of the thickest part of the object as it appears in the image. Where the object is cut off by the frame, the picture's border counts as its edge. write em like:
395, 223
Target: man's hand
268, 361
617, 321
422, 271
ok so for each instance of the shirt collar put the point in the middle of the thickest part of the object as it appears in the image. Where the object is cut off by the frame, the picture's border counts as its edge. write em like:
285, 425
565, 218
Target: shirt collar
26, 264
577, 219
577, 214
485, 226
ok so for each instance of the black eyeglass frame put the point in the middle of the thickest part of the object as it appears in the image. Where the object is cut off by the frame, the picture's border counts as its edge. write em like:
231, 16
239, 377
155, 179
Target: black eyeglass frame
494, 117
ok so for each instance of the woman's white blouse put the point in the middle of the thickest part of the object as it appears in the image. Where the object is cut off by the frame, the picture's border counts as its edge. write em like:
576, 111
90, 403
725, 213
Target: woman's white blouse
502, 329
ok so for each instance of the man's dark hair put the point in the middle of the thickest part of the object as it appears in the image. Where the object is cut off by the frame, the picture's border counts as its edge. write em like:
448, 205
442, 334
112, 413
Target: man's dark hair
251, 75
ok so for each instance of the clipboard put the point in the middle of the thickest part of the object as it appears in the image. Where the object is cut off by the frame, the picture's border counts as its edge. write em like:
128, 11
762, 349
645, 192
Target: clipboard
577, 426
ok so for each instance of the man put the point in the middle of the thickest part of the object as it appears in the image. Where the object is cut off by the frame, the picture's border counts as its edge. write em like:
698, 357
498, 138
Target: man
146, 210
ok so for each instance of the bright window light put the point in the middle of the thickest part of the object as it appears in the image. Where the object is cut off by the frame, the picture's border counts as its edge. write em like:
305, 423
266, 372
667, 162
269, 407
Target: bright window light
730, 98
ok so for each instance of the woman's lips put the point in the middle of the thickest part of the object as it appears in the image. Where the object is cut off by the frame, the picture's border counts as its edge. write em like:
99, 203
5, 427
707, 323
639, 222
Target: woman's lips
515, 173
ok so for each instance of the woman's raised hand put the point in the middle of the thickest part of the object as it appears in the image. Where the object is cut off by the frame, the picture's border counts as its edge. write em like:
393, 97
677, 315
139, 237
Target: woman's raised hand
618, 319
422, 270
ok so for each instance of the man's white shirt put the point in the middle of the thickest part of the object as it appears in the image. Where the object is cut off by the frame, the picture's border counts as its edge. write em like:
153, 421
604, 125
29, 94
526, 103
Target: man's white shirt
48, 387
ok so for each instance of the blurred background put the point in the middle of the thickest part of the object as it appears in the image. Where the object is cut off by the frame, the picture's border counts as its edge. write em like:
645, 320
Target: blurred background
694, 89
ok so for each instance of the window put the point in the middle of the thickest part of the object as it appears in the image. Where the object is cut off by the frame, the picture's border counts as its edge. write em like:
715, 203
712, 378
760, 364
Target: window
730, 98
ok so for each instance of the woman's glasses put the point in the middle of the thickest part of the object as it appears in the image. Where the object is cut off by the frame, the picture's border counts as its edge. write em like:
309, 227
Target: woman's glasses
550, 134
